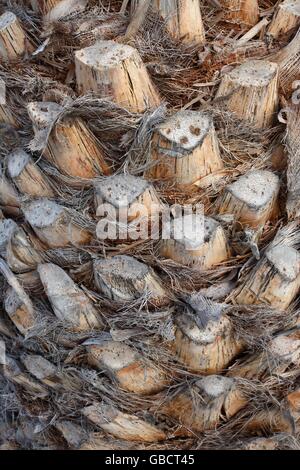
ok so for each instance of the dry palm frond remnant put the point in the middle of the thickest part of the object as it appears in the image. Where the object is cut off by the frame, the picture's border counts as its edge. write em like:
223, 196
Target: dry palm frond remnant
149, 224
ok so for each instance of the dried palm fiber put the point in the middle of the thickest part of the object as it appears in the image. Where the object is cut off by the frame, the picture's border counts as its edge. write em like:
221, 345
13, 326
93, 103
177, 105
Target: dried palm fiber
226, 56
70, 258
7, 229
25, 83
10, 139
137, 413
275, 279
56, 225
16, 286
108, 68
256, 324
271, 420
53, 338
180, 279
13, 372
185, 149
205, 340
28, 16
246, 240
287, 59
251, 91
245, 12
291, 143
279, 359
252, 199
44, 6
203, 404
196, 241
116, 129
30, 281
265, 414
72, 192
6, 328
70, 146
27, 437
9, 446
174, 66
285, 19
293, 401
78, 30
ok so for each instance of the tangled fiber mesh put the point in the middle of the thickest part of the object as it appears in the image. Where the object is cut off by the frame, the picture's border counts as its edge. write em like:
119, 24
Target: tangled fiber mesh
46, 409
